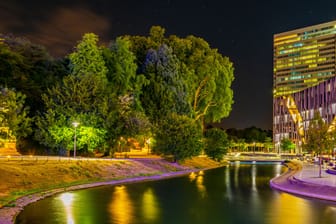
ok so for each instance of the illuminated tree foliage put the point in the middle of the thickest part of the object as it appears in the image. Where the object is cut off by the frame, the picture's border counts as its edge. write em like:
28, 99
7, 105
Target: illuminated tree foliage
205, 74
73, 100
216, 143
129, 89
13, 114
87, 59
179, 136
80, 97
287, 145
123, 81
319, 138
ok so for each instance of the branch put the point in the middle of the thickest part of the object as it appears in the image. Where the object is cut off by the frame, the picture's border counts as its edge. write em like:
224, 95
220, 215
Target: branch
210, 104
198, 90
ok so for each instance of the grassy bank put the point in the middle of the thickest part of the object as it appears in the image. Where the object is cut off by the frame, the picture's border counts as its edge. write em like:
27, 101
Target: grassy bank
19, 178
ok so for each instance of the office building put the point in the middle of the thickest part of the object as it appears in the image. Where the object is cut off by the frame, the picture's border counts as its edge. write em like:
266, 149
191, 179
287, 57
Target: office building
303, 81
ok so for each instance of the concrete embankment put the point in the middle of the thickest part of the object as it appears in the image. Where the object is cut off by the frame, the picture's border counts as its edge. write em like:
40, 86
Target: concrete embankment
306, 184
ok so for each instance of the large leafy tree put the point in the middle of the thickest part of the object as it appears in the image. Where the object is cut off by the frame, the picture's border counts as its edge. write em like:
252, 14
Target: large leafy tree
209, 76
87, 59
216, 143
73, 100
206, 74
179, 136
81, 97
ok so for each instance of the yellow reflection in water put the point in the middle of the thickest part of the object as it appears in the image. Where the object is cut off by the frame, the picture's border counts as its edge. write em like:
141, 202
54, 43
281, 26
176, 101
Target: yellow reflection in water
228, 183
67, 199
149, 205
236, 174
287, 205
121, 207
192, 176
199, 184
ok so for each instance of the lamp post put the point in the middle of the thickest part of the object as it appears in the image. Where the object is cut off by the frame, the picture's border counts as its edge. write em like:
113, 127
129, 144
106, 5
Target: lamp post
75, 124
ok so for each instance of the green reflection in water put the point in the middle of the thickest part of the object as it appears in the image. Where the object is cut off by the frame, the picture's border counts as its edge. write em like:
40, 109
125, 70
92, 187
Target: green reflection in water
150, 207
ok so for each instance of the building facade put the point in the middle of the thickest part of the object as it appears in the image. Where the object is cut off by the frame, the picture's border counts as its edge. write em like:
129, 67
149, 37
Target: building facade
304, 81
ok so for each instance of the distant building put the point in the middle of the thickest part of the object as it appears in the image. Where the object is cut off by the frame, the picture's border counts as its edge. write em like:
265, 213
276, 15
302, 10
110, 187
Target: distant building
304, 80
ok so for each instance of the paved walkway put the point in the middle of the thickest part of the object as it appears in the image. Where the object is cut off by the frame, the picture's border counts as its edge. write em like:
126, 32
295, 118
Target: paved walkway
310, 173
303, 179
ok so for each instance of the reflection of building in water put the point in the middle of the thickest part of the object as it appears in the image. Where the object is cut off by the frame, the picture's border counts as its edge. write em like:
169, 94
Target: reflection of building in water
121, 207
285, 205
228, 183
67, 199
254, 176
150, 206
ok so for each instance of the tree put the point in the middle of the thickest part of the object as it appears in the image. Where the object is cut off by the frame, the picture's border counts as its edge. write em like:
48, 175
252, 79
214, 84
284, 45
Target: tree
216, 143
179, 136
13, 113
120, 62
319, 138
166, 92
74, 100
30, 69
268, 143
287, 145
208, 75
87, 59
122, 77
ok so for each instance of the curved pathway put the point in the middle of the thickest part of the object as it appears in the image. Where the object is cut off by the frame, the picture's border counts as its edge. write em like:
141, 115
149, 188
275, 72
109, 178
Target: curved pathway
302, 179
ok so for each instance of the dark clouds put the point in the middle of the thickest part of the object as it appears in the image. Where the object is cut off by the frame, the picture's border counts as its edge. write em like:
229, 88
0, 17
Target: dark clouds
60, 32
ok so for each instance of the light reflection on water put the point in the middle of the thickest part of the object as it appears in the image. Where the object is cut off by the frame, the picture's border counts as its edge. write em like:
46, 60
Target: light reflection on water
150, 205
238, 193
121, 207
67, 199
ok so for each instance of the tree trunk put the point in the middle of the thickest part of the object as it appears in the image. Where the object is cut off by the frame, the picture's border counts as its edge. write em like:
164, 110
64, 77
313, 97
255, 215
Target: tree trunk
320, 166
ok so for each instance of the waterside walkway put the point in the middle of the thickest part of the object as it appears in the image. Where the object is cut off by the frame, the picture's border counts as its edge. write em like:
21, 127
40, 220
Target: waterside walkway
303, 179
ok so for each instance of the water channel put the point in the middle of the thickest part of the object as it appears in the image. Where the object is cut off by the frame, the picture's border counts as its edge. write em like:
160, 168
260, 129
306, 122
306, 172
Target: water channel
236, 194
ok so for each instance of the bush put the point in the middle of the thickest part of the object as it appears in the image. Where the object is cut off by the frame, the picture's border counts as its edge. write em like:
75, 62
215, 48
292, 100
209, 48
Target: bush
216, 143
179, 136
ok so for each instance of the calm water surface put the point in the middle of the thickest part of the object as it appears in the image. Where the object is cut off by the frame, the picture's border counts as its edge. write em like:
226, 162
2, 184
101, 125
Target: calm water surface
238, 193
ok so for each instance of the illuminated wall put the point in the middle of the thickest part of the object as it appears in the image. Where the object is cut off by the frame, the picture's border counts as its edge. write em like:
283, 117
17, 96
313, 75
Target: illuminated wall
303, 70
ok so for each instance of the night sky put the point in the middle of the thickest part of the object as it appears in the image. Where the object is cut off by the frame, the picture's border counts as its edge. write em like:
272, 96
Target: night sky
241, 30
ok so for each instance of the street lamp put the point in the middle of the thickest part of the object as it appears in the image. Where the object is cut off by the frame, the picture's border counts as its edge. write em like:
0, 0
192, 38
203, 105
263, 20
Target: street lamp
75, 124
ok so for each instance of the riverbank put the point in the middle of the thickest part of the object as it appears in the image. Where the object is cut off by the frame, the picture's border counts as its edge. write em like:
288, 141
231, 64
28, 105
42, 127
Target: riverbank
302, 180
25, 182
